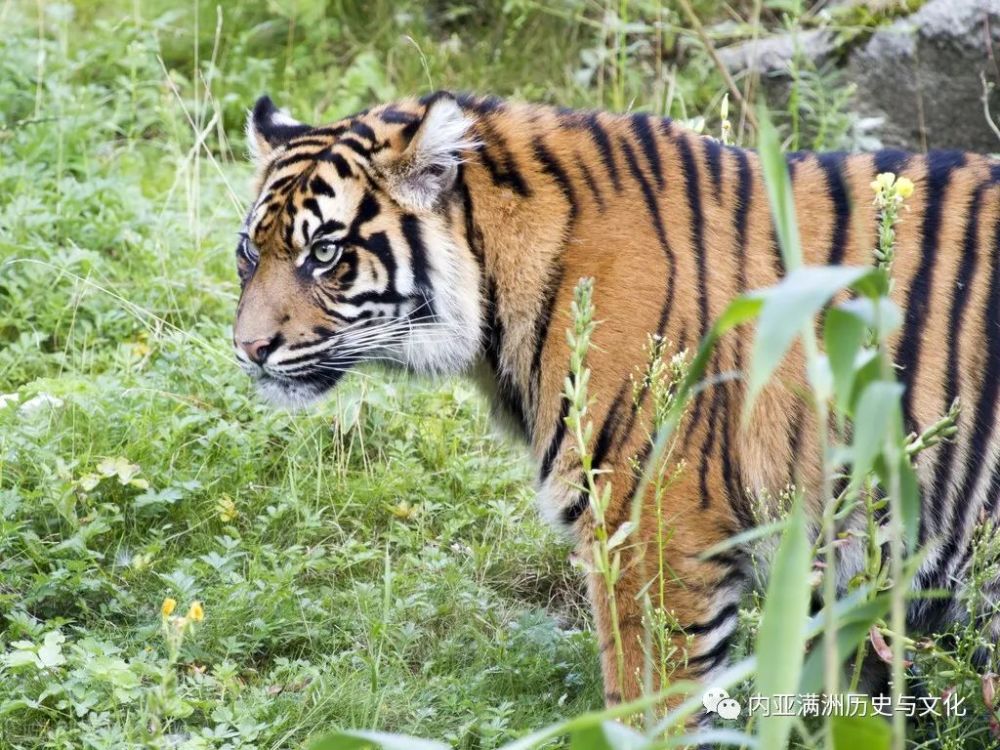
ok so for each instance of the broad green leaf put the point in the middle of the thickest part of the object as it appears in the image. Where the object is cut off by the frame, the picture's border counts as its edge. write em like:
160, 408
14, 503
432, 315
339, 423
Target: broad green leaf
843, 335
867, 369
877, 411
740, 310
366, 740
861, 733
50, 653
782, 636
608, 735
881, 314
874, 286
789, 306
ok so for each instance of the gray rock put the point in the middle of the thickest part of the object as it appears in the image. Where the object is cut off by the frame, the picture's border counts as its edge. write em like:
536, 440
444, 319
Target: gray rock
922, 75
772, 55
919, 77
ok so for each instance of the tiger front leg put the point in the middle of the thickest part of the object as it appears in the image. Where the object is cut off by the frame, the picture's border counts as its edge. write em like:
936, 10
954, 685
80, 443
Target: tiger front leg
670, 616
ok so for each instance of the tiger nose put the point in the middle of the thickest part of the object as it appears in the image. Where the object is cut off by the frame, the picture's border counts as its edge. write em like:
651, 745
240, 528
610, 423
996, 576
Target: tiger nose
258, 350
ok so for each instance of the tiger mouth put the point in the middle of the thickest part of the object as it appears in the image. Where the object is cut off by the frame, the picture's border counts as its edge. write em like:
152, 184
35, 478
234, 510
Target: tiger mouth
295, 392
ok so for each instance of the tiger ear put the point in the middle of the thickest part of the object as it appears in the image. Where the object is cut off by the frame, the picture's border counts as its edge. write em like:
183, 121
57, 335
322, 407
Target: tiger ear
425, 168
269, 128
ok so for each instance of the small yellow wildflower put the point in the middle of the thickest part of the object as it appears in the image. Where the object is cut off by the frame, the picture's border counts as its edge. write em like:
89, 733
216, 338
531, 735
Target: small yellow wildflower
196, 613
167, 608
404, 511
226, 508
883, 182
904, 187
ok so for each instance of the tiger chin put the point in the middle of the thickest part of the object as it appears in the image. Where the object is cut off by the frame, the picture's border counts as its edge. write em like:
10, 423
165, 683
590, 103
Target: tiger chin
445, 235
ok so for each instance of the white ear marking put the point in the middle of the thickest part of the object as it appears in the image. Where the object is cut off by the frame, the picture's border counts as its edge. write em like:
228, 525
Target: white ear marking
268, 128
429, 165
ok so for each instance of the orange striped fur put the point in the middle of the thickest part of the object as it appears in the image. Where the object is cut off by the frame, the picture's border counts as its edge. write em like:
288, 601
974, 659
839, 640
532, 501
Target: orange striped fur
461, 227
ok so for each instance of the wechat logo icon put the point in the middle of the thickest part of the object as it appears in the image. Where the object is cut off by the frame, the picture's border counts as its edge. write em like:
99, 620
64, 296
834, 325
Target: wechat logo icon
717, 701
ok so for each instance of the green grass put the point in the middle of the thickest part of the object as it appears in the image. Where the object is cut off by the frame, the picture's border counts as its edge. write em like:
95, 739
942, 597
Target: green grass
377, 563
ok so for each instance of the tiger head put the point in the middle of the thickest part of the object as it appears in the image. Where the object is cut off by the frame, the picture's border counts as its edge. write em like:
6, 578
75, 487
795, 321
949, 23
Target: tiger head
351, 251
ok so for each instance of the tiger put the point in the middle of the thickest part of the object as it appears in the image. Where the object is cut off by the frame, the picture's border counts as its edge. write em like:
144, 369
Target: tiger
446, 234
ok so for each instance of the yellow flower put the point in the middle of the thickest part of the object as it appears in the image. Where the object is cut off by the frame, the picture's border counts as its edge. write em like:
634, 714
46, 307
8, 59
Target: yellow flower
196, 613
904, 187
226, 509
167, 608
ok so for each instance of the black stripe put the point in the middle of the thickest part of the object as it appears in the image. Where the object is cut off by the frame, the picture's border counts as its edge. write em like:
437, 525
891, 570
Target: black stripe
713, 158
960, 298
312, 206
504, 171
891, 160
603, 144
361, 129
605, 436
692, 185
710, 659
572, 512
588, 179
418, 252
709, 444
649, 198
644, 134
555, 441
331, 131
985, 414
692, 189
552, 167
307, 141
744, 194
542, 325
356, 146
832, 164
473, 235
724, 614
297, 158
507, 391
319, 186
792, 158
392, 116
940, 165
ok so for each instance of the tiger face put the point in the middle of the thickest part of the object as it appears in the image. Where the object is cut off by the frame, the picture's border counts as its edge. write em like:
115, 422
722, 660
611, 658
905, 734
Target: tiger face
351, 252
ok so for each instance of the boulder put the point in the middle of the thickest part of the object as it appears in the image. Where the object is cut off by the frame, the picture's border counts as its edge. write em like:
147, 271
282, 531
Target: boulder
919, 77
923, 75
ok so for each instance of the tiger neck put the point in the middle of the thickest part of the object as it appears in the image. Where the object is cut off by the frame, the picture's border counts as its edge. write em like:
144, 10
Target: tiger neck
518, 223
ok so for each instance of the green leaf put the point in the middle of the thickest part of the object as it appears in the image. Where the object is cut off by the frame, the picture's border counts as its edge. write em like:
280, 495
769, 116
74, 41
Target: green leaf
789, 306
843, 335
909, 501
740, 310
781, 638
608, 735
881, 314
365, 740
779, 191
50, 653
877, 411
857, 732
